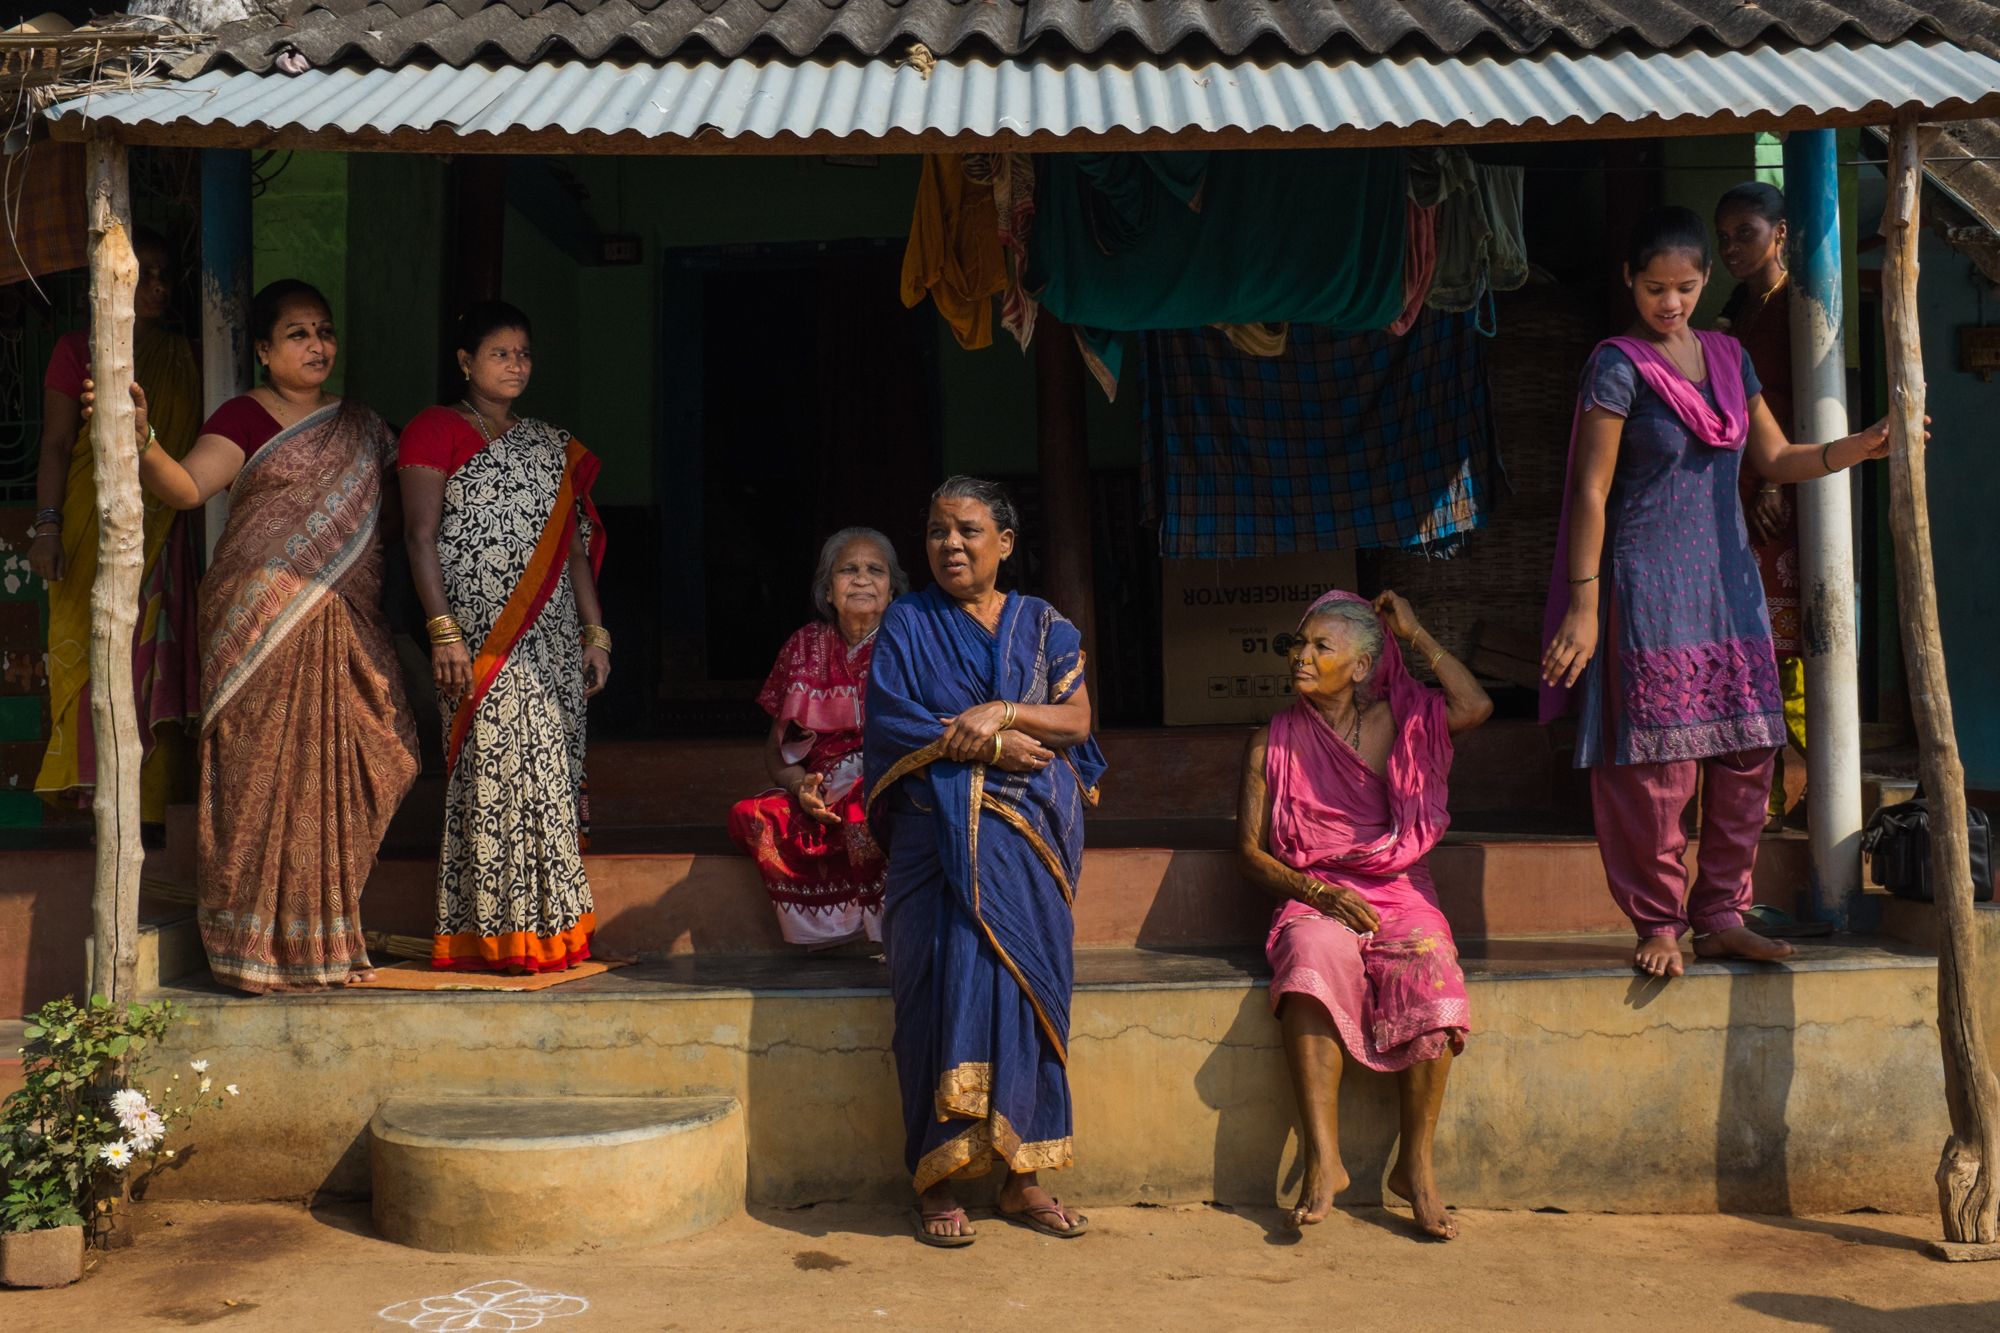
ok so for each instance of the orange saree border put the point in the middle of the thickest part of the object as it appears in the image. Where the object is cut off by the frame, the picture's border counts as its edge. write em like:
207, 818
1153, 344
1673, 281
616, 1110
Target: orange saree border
538, 582
468, 952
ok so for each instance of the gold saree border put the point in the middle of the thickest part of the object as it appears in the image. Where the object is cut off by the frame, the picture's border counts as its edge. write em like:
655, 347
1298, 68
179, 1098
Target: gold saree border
1019, 823
903, 767
993, 1139
965, 1092
978, 793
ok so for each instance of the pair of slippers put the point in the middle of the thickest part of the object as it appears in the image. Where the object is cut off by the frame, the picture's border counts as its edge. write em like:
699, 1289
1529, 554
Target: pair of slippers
1030, 1217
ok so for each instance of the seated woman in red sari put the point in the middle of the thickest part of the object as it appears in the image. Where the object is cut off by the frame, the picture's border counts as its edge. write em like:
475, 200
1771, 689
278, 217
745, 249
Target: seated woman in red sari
809, 833
1343, 795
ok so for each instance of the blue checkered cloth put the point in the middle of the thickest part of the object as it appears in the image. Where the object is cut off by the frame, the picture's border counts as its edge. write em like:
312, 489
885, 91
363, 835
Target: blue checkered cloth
1346, 441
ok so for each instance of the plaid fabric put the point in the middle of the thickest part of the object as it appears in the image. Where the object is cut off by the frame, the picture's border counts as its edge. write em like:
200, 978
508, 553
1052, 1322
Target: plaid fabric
43, 229
1345, 441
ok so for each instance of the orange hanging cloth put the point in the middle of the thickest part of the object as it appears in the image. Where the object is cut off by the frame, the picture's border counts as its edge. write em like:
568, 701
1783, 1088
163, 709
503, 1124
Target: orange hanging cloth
954, 253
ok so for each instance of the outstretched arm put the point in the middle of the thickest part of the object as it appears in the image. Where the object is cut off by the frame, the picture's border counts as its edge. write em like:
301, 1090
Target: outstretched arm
1776, 460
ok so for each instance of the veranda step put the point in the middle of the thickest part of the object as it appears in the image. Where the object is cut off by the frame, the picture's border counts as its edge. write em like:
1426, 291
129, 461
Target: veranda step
1812, 1086
1156, 774
660, 904
551, 1175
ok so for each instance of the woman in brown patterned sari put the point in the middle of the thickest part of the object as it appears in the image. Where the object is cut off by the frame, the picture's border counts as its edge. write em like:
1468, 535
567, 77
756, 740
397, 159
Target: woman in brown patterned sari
306, 741
504, 544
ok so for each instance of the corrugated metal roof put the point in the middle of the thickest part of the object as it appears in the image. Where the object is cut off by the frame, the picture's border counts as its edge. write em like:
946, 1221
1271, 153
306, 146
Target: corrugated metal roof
390, 33
895, 104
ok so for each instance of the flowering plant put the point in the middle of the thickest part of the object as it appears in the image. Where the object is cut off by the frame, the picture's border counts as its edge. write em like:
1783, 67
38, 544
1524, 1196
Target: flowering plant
75, 1125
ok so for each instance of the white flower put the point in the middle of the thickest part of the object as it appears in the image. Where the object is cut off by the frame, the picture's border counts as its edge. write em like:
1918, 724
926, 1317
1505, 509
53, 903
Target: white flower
116, 1155
148, 1132
503, 1305
205, 1082
230, 1088
129, 1105
198, 1066
167, 1153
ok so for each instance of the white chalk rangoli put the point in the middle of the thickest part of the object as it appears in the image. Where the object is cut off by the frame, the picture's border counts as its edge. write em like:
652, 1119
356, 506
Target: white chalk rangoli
510, 1307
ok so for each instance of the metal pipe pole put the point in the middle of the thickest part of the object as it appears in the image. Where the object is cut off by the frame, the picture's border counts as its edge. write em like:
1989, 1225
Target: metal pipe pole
1826, 533
225, 296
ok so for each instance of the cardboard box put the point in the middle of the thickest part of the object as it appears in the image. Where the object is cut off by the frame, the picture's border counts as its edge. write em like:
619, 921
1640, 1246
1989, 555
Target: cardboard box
1226, 632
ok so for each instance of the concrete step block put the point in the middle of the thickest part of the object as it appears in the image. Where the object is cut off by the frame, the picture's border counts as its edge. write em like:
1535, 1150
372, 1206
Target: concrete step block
169, 949
527, 1175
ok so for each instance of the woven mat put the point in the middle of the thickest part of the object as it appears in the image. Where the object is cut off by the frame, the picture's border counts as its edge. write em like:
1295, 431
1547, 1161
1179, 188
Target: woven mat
421, 976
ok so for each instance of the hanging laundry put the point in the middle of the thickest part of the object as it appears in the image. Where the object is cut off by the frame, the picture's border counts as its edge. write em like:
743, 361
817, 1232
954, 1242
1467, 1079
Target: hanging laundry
1256, 339
954, 253
1481, 244
1128, 242
1012, 178
1419, 264
1347, 441
44, 204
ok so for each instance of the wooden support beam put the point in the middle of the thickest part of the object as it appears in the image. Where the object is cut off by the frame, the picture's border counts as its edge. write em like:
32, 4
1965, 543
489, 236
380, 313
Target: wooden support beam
114, 597
1064, 453
1968, 1189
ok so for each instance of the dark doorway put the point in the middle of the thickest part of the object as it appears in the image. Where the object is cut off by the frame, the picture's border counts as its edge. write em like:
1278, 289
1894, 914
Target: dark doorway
805, 401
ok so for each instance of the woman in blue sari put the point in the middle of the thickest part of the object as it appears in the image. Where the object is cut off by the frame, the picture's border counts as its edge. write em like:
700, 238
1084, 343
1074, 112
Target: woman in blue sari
979, 762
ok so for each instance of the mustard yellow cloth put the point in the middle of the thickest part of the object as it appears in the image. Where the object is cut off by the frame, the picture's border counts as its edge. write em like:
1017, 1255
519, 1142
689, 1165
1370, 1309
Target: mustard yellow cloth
954, 252
165, 367
1792, 689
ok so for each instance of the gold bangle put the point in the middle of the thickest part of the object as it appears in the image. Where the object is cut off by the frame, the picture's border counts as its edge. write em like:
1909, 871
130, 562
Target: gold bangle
1008, 723
436, 623
152, 438
595, 636
996, 747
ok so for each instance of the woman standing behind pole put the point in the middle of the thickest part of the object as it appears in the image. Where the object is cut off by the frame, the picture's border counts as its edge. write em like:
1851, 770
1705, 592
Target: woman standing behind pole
1654, 564
1750, 234
306, 742
62, 549
504, 545
979, 761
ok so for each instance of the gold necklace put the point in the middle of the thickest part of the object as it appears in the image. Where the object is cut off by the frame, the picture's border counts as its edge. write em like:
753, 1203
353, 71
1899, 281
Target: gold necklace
485, 431
1352, 733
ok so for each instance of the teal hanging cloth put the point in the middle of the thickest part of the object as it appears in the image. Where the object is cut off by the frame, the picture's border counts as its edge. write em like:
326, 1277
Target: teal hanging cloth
1128, 242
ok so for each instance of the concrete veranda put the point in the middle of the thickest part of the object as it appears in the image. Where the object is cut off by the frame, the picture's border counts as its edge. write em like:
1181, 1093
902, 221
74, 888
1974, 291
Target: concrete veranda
272, 1266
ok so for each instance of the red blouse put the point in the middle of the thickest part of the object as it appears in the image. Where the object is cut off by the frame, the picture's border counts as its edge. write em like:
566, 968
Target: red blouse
69, 365
244, 422
440, 439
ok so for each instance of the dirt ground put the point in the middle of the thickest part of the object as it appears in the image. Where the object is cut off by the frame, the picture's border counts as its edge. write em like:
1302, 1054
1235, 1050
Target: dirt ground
252, 1267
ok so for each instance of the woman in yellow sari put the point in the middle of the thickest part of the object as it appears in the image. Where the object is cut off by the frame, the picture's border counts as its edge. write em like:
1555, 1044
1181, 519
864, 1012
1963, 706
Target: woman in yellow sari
63, 550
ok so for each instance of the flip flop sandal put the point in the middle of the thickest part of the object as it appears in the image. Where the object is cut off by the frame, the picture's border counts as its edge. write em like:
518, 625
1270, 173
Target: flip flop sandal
1775, 923
1078, 1224
925, 1235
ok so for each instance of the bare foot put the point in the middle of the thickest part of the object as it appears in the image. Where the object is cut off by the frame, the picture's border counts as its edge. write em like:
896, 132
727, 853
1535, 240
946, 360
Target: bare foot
1659, 956
1742, 942
1316, 1194
942, 1215
1421, 1193
360, 974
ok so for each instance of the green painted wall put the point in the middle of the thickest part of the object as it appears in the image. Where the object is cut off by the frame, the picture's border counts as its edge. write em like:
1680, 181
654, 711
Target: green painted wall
299, 228
598, 368
395, 266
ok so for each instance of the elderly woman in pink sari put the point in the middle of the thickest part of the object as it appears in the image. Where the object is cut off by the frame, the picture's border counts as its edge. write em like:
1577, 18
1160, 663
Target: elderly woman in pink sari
1343, 795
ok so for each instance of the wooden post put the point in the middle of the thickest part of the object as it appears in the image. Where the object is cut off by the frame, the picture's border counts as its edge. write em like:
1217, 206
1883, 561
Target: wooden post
114, 597
1966, 1181
1064, 455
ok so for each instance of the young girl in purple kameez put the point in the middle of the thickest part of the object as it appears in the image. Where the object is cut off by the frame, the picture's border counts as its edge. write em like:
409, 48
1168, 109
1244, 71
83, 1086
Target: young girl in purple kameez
1655, 564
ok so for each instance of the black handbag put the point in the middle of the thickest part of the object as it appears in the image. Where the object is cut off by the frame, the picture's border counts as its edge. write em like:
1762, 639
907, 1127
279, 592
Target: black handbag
1899, 839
